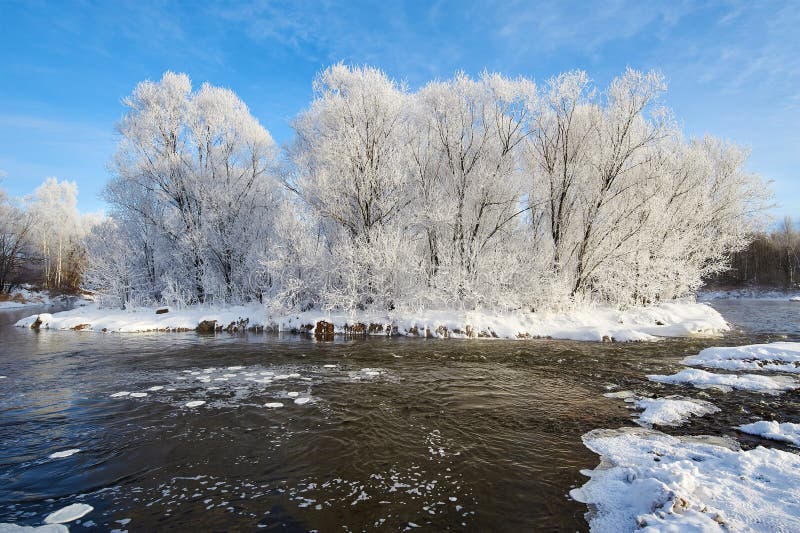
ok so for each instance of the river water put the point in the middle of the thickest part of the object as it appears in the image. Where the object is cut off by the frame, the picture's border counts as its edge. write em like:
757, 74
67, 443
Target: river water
394, 433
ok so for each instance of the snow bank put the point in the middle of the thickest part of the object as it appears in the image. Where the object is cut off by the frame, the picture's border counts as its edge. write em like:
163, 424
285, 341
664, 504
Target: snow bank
139, 320
651, 480
25, 297
752, 382
674, 319
769, 429
672, 411
777, 356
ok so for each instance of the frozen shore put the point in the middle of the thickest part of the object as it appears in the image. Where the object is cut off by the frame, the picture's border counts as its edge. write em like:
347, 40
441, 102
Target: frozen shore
673, 319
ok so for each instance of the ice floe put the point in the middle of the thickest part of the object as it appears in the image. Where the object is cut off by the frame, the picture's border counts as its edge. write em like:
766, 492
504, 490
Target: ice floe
156, 388
777, 356
751, 382
49, 528
292, 394
65, 453
195, 403
769, 429
302, 401
138, 394
69, 513
120, 394
658, 482
671, 411
273, 405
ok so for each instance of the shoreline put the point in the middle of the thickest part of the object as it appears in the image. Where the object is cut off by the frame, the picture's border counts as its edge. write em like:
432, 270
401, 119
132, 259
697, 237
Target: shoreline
599, 324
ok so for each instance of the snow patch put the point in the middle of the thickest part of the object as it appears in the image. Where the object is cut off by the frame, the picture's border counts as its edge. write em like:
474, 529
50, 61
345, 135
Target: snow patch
672, 411
648, 479
752, 382
777, 356
769, 429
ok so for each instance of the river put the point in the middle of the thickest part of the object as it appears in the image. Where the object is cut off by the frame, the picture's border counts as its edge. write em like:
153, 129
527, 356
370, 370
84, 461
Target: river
387, 433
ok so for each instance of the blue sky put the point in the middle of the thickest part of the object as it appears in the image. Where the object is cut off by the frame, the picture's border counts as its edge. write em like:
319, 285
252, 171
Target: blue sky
733, 67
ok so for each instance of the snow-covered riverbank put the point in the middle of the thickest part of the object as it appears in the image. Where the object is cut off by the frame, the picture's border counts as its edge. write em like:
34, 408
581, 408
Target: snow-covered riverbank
673, 319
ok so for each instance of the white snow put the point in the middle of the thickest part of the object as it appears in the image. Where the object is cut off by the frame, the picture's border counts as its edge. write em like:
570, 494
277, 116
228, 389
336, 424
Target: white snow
672, 411
195, 403
26, 297
769, 429
69, 513
777, 356
273, 405
145, 319
65, 453
752, 382
672, 319
657, 482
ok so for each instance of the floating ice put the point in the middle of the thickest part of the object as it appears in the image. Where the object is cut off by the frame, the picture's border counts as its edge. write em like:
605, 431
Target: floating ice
651, 480
3, 377
769, 429
751, 382
157, 387
235, 367
195, 403
120, 394
49, 528
69, 513
302, 401
672, 411
273, 405
329, 366
294, 376
65, 453
292, 394
138, 394
777, 356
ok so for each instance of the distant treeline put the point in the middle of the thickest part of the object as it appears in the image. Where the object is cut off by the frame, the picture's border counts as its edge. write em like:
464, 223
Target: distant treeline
772, 259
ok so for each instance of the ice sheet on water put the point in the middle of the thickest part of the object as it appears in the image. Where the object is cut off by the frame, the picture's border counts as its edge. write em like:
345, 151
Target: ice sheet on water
648, 479
69, 513
65, 453
302, 401
195, 403
751, 382
770, 429
273, 405
48, 528
776, 357
672, 411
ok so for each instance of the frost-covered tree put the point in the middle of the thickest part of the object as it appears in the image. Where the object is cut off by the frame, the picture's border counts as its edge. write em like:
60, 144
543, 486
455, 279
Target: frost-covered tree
469, 192
15, 227
194, 187
57, 232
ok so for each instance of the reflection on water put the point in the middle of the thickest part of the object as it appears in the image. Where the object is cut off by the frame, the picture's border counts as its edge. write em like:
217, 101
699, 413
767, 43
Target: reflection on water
395, 433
